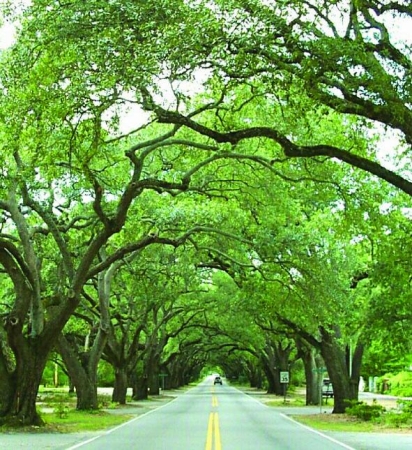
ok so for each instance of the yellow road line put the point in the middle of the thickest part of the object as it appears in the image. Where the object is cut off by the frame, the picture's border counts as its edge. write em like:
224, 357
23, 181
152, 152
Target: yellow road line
218, 445
214, 401
209, 436
213, 430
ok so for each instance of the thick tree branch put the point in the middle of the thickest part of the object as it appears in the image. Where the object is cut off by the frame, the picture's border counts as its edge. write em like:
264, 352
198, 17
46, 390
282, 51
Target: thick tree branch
290, 149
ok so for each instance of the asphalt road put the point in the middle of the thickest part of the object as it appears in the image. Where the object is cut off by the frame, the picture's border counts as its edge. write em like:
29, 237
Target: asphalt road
213, 418
210, 417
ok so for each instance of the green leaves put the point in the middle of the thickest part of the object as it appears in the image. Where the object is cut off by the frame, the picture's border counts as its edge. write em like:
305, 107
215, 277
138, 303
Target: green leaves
260, 160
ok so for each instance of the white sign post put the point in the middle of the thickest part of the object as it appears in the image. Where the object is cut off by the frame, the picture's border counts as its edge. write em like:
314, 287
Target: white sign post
284, 379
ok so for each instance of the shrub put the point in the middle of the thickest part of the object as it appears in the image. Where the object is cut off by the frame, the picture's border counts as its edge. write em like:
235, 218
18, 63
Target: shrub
104, 401
363, 411
405, 406
397, 419
61, 410
401, 384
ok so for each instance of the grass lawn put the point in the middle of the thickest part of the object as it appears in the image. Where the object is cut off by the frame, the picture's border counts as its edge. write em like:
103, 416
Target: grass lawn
58, 410
79, 421
343, 422
335, 422
73, 422
388, 422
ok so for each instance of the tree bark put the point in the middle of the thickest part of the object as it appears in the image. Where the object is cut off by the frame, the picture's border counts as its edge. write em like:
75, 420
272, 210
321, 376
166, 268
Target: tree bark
356, 368
19, 405
120, 386
6, 380
335, 357
255, 376
82, 372
312, 377
270, 372
140, 388
335, 361
275, 359
124, 356
72, 389
153, 370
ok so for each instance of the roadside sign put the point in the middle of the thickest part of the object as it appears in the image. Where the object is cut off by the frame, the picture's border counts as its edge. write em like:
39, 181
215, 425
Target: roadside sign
284, 377
162, 376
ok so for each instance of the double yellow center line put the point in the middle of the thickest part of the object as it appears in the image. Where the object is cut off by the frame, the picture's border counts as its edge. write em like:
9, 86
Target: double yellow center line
215, 403
213, 430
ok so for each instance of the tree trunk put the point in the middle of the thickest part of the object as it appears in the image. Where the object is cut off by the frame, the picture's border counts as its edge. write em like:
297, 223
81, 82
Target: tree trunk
255, 377
307, 354
19, 407
82, 372
273, 386
335, 361
356, 368
174, 377
152, 369
282, 357
153, 378
86, 390
275, 359
253, 372
23, 407
140, 388
7, 386
120, 386
22, 378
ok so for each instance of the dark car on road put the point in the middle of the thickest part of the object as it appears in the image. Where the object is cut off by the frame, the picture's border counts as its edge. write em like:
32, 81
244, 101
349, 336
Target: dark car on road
218, 380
